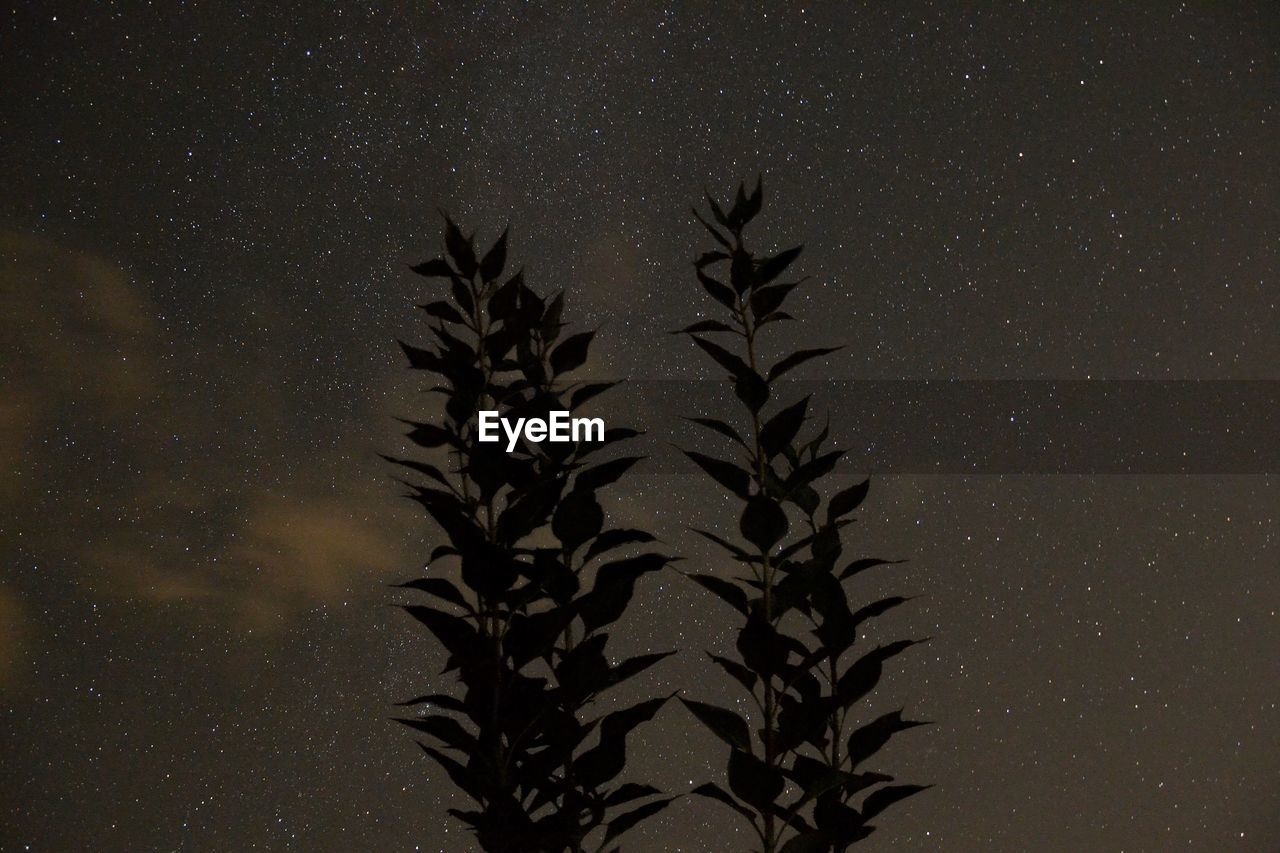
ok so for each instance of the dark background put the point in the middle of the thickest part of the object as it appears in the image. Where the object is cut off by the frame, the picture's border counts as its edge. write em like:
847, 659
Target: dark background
204, 222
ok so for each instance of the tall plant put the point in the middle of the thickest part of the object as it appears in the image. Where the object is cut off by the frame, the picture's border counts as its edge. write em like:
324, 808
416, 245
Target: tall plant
540, 577
798, 777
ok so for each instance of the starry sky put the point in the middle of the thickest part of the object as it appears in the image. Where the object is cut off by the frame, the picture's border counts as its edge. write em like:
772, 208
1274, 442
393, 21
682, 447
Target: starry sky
206, 216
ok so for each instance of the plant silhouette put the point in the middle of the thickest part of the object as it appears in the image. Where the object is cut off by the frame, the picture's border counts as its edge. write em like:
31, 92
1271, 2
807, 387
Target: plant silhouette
796, 779
525, 632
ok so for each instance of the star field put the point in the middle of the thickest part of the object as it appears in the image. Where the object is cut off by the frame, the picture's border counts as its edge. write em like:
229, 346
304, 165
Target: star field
207, 216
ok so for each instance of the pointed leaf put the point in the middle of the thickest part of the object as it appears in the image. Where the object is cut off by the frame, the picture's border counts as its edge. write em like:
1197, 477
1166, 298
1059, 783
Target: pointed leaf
763, 522
571, 353
722, 722
798, 358
858, 566
712, 791
460, 249
719, 291
730, 362
727, 591
434, 268
771, 268
879, 800
622, 823
740, 673
754, 781
439, 587
781, 429
848, 500
720, 427
616, 538
867, 740
494, 260
706, 326
733, 478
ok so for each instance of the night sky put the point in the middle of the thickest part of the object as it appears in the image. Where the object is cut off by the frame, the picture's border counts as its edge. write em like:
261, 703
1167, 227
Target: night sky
206, 216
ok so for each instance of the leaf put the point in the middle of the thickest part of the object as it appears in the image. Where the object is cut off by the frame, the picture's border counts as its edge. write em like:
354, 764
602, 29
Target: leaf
708, 258
751, 206
613, 588
877, 608
629, 791
753, 781
752, 390
722, 722
616, 538
421, 359
445, 729
879, 800
587, 392
440, 700
766, 301
634, 666
440, 588
712, 791
710, 228
733, 478
717, 211
429, 435
495, 259
781, 429
455, 633
605, 473
867, 740
605, 760
461, 776
622, 823
798, 358
505, 300
462, 295
848, 500
706, 326
814, 469
774, 317
763, 522
718, 290
577, 518
571, 353
742, 271
730, 362
740, 673
421, 467
727, 545
865, 563
444, 311
760, 647
771, 268
863, 675
531, 636
727, 591
807, 842
720, 427
434, 268
460, 248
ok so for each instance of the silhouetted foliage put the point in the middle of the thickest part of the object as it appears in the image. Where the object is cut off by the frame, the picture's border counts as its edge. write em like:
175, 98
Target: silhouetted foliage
525, 630
799, 778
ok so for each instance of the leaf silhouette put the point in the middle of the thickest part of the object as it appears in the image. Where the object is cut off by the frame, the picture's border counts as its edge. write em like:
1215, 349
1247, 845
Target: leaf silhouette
805, 690
798, 358
725, 724
521, 528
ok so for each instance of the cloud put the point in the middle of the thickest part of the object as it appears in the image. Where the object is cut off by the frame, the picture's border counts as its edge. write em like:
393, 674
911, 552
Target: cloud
135, 481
